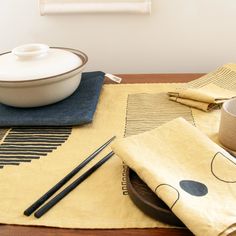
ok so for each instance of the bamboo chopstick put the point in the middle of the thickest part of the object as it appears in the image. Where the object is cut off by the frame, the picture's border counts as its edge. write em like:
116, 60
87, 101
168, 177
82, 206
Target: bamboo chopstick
72, 186
63, 181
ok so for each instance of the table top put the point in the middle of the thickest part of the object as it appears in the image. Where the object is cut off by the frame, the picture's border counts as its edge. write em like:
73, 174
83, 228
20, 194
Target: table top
6, 230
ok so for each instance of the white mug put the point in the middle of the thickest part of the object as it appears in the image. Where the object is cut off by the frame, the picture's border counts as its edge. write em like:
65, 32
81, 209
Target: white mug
227, 130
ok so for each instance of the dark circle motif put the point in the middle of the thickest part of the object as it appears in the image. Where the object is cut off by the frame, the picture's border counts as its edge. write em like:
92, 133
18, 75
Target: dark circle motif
193, 187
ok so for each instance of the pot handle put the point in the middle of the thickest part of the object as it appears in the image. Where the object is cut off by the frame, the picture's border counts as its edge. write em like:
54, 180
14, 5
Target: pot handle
29, 51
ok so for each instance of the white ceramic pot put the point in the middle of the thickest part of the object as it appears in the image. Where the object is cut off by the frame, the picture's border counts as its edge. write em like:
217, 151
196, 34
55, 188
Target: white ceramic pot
35, 75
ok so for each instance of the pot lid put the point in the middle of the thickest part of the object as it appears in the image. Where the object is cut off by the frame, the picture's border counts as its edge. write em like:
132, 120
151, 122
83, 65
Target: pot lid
36, 61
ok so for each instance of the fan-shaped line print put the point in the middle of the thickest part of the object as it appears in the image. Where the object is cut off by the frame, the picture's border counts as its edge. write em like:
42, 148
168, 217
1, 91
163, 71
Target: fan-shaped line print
22, 144
172, 188
3, 131
226, 165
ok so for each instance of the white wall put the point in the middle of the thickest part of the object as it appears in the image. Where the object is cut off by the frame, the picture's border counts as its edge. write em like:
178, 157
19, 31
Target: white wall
179, 35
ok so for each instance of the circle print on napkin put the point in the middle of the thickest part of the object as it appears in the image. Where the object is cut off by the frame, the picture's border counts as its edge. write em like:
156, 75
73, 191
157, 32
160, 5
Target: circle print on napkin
193, 187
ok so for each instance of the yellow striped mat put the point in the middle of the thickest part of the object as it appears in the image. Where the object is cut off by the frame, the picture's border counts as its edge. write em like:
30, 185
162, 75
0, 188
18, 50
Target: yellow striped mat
33, 160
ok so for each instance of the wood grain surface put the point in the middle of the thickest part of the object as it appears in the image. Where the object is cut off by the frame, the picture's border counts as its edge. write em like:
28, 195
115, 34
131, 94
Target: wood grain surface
15, 230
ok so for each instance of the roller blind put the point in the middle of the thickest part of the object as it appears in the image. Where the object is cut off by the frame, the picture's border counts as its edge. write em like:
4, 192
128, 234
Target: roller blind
96, 6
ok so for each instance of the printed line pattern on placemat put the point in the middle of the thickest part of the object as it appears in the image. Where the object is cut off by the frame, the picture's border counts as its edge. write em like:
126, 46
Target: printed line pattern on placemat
148, 111
23, 144
222, 77
3, 132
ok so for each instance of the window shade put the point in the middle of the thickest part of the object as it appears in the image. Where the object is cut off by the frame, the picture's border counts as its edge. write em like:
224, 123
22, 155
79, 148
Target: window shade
90, 6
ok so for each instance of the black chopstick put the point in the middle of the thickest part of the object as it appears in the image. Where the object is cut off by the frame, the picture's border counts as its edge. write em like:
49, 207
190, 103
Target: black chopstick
69, 188
63, 181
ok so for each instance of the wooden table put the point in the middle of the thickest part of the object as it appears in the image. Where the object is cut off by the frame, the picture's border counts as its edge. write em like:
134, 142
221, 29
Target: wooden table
14, 230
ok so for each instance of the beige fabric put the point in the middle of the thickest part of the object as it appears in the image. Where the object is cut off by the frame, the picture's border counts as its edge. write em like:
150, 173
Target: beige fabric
109, 207
205, 98
223, 77
100, 201
146, 111
196, 104
194, 176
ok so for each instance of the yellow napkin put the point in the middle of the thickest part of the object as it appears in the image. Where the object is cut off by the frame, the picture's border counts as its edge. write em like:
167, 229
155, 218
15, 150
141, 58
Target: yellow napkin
205, 98
194, 176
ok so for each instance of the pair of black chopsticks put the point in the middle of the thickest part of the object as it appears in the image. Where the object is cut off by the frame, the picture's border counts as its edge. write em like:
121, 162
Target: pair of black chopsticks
69, 188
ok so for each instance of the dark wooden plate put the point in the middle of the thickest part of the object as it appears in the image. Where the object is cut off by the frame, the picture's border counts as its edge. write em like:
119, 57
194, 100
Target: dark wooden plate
147, 201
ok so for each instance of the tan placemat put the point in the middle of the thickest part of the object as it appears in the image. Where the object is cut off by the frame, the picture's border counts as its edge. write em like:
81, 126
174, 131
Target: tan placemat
101, 201
224, 77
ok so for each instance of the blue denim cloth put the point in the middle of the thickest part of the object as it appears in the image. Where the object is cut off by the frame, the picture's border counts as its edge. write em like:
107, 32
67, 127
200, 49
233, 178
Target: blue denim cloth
77, 109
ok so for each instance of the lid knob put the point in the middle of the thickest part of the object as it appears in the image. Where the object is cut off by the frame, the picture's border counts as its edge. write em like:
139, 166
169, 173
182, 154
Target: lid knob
28, 51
